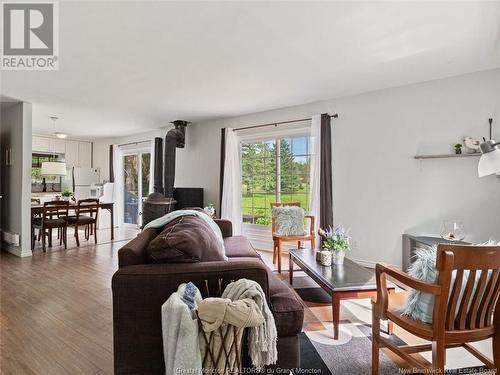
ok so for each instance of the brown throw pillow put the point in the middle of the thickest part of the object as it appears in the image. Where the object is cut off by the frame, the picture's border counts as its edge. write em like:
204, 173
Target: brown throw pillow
186, 239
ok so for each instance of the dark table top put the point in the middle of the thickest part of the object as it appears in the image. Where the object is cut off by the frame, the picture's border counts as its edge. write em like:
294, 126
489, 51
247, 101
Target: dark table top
73, 204
349, 276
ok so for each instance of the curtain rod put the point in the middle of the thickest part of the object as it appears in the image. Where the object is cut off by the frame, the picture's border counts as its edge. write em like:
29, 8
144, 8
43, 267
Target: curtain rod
133, 143
281, 122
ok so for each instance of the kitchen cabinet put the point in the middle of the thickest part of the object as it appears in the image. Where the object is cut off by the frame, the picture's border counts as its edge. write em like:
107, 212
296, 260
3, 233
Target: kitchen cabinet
58, 146
85, 154
40, 144
77, 153
72, 154
48, 145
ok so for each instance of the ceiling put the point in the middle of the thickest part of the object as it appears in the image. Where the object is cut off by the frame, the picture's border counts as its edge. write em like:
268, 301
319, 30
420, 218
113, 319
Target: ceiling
128, 67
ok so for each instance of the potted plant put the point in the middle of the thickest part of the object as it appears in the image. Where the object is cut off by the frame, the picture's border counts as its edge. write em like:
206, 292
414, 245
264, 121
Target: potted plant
458, 148
336, 239
67, 195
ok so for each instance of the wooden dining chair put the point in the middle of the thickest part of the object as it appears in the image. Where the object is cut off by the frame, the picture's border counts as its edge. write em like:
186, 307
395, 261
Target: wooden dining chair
53, 216
87, 211
279, 239
465, 308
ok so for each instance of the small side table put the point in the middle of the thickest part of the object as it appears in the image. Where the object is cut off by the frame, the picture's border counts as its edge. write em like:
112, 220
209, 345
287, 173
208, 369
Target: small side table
411, 243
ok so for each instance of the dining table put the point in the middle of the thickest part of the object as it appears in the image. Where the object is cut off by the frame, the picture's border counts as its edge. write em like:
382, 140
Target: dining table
37, 209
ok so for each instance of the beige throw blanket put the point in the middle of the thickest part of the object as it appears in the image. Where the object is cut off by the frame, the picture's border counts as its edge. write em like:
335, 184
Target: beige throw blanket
263, 338
223, 323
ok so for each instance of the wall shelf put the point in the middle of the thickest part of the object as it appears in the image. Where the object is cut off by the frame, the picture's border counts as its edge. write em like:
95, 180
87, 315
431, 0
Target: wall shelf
445, 156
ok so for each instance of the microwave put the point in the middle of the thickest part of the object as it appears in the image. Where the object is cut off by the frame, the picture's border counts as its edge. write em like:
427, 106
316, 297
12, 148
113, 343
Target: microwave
95, 191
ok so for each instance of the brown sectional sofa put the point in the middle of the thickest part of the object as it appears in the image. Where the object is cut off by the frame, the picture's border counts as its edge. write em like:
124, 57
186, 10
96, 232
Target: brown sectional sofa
139, 290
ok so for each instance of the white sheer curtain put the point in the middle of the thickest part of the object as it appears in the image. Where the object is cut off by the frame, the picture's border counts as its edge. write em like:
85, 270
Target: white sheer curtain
315, 171
119, 190
231, 187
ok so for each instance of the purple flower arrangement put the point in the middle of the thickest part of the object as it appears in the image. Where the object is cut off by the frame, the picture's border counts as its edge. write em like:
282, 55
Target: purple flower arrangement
335, 238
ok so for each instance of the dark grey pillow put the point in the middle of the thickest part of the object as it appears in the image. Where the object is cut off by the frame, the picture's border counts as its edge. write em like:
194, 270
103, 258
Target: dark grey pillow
186, 239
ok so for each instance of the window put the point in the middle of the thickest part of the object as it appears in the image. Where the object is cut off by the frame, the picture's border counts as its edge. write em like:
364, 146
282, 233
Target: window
274, 171
41, 183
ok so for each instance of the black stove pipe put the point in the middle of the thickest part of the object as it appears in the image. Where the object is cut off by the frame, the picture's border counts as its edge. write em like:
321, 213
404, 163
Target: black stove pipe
174, 139
158, 163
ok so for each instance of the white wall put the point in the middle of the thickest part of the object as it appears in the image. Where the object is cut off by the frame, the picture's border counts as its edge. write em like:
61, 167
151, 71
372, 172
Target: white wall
101, 152
16, 178
380, 190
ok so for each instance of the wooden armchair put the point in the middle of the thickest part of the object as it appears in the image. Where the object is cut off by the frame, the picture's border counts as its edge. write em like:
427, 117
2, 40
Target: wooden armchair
458, 318
278, 240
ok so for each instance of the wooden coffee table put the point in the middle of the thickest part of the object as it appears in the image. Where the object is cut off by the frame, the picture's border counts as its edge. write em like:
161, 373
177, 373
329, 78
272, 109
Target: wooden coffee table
344, 281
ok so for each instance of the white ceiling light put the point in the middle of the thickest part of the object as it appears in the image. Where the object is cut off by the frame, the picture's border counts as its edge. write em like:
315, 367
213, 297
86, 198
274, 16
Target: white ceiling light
54, 167
61, 135
57, 134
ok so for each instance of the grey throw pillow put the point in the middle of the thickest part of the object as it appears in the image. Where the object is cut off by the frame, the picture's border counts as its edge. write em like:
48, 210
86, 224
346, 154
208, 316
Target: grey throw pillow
418, 305
289, 221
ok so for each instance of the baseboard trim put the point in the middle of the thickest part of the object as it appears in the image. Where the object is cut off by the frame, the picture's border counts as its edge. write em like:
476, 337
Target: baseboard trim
17, 251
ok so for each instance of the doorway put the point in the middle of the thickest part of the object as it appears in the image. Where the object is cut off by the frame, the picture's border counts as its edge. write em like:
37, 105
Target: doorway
136, 179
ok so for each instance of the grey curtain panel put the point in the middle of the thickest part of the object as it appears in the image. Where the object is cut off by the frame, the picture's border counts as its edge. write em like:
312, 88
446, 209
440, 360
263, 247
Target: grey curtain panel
222, 162
326, 188
111, 163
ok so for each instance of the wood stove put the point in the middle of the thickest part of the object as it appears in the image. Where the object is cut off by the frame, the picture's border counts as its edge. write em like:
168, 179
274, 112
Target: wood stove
162, 201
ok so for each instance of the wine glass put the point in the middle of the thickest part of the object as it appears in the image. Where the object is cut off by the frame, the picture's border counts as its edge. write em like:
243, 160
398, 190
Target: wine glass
452, 230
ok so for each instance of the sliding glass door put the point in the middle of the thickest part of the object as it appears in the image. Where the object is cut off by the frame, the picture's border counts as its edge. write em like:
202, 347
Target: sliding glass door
136, 185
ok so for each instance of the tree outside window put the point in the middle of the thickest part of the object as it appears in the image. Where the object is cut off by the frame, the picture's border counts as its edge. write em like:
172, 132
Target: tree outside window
274, 171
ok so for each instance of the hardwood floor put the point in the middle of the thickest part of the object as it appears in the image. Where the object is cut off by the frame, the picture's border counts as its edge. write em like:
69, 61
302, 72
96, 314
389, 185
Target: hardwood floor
56, 313
103, 236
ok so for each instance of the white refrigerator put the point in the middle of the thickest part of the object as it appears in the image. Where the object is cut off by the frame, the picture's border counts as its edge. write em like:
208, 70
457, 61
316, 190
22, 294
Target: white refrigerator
83, 178
104, 219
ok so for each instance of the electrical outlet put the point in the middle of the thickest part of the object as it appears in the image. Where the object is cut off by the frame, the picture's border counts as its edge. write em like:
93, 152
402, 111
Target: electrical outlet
354, 244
